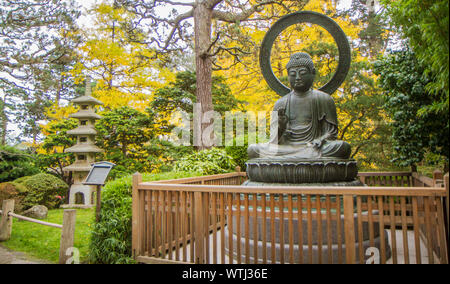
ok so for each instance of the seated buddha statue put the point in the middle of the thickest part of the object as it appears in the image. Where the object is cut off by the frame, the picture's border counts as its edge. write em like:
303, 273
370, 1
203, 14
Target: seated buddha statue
307, 120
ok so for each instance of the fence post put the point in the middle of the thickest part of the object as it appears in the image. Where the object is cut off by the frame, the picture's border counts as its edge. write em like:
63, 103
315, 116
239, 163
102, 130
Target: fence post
438, 177
6, 221
199, 228
67, 235
135, 239
447, 197
362, 179
350, 251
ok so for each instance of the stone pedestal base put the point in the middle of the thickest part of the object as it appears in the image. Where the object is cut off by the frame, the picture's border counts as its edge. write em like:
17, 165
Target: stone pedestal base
287, 171
355, 182
310, 244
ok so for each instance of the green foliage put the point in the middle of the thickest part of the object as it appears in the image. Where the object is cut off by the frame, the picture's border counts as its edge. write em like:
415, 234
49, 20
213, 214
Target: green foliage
122, 133
22, 179
181, 96
425, 24
123, 127
111, 237
15, 164
44, 189
130, 140
13, 190
405, 80
207, 162
239, 153
52, 156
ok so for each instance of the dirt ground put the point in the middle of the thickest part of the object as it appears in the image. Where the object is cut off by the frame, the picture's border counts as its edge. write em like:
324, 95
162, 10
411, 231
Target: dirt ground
11, 257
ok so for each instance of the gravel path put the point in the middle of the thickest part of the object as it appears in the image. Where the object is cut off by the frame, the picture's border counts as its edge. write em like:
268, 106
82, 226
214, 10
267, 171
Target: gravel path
11, 257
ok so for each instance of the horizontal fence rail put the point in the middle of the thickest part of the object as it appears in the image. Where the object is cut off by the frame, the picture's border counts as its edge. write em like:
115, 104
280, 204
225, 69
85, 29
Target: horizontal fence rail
67, 228
215, 220
23, 218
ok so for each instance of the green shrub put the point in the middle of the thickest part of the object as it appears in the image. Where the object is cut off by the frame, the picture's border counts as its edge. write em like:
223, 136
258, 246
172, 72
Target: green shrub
111, 237
15, 164
22, 179
44, 189
239, 155
207, 162
12, 190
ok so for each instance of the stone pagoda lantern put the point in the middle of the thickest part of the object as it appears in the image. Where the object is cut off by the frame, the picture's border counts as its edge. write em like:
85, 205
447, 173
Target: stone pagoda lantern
85, 149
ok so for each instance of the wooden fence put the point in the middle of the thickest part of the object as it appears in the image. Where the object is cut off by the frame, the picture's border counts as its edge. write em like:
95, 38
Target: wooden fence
398, 179
214, 220
67, 228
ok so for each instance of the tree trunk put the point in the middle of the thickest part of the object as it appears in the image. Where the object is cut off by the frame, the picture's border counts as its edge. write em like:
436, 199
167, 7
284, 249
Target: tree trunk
203, 62
4, 120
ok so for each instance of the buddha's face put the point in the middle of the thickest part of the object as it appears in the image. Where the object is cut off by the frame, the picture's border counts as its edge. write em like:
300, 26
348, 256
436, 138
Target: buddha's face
301, 78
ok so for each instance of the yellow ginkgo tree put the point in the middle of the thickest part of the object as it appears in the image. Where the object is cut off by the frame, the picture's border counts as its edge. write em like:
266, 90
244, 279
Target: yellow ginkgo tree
126, 71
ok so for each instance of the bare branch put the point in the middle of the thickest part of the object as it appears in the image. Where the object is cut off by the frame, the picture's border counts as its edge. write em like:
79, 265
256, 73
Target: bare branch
176, 22
213, 3
244, 15
191, 4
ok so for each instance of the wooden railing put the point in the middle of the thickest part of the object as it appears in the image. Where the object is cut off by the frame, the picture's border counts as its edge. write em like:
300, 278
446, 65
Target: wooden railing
67, 228
214, 220
397, 179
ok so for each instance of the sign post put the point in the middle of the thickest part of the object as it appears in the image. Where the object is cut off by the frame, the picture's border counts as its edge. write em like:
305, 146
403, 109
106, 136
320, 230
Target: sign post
97, 176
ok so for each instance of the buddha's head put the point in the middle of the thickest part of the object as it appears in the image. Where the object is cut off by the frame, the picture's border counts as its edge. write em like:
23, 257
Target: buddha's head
301, 72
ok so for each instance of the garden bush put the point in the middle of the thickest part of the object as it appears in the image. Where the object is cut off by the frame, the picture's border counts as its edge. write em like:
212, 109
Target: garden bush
44, 189
207, 162
110, 241
239, 153
15, 164
21, 180
12, 190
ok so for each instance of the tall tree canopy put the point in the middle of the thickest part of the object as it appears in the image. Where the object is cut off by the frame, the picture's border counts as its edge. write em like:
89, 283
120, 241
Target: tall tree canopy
34, 40
126, 71
425, 24
404, 79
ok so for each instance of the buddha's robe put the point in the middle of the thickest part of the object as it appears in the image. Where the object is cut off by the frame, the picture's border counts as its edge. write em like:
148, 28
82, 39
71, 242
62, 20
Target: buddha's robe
308, 118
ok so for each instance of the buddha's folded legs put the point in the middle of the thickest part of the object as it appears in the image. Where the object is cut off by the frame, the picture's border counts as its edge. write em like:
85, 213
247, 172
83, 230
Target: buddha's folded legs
336, 149
330, 149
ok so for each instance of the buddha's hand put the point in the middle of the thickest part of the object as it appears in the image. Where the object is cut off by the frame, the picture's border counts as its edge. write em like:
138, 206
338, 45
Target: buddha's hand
317, 143
282, 119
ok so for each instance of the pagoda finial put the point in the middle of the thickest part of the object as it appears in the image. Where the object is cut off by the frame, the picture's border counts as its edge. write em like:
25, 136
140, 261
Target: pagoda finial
88, 91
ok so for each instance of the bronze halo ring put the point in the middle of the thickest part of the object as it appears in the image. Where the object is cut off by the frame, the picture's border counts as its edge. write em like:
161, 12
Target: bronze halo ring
305, 17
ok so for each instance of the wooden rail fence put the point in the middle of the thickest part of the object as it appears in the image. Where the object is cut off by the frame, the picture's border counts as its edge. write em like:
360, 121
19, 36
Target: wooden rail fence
67, 228
214, 220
